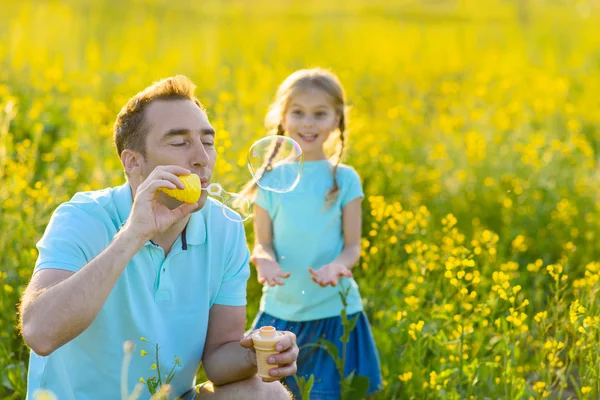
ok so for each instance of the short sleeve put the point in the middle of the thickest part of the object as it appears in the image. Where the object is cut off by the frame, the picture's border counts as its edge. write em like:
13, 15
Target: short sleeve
264, 199
237, 271
351, 187
71, 240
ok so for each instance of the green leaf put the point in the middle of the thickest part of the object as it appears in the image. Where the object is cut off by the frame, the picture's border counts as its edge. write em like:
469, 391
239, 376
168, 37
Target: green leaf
344, 316
352, 323
305, 386
358, 388
348, 328
333, 352
347, 383
152, 384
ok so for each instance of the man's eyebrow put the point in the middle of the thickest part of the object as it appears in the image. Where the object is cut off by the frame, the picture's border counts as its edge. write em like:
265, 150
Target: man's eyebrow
184, 131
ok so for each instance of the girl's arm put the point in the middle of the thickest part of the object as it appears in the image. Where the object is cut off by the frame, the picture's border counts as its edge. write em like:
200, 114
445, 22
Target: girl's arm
263, 255
351, 225
263, 235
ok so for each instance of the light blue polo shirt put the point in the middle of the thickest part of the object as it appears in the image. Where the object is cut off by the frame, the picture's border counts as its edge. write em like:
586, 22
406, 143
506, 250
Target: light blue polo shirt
305, 234
165, 300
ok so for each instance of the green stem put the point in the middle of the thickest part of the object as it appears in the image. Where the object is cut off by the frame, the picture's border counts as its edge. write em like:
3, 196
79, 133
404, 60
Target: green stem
460, 349
506, 384
158, 367
169, 378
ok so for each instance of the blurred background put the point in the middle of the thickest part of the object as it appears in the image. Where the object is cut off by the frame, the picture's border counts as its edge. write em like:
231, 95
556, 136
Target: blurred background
475, 127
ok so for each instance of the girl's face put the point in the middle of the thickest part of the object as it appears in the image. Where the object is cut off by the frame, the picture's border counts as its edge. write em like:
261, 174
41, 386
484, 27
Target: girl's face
309, 119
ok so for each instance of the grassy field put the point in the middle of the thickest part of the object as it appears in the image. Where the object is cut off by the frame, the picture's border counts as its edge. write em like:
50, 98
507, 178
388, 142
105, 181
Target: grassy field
475, 126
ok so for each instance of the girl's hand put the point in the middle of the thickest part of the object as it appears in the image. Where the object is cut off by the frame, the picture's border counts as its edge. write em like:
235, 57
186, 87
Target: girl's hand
269, 271
330, 274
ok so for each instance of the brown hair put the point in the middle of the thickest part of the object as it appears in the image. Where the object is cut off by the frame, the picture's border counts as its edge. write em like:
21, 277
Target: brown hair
130, 127
301, 80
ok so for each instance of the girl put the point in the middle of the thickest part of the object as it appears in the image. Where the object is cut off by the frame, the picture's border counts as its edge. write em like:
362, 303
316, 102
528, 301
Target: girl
308, 240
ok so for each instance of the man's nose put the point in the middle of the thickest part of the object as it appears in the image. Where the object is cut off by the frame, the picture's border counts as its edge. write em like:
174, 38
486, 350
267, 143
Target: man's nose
199, 156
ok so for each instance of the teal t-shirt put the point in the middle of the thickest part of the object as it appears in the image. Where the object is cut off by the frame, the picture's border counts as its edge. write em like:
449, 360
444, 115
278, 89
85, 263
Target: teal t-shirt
305, 234
166, 300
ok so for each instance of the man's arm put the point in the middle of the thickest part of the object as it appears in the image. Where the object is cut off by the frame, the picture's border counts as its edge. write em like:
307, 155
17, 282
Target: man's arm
224, 360
229, 356
58, 305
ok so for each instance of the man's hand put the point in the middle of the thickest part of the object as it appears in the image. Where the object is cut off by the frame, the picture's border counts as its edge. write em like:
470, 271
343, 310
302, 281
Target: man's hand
330, 274
285, 360
269, 270
149, 217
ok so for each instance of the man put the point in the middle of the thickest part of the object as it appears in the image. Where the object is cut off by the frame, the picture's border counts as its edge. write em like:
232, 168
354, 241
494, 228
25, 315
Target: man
133, 264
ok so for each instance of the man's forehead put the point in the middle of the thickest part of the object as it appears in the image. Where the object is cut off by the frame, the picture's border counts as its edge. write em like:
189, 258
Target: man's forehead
164, 113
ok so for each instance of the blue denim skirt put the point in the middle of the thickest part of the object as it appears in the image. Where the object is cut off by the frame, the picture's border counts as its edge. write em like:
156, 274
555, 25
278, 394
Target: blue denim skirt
361, 353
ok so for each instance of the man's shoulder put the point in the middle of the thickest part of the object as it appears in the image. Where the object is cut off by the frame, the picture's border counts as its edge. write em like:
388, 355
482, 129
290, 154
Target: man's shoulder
94, 198
96, 205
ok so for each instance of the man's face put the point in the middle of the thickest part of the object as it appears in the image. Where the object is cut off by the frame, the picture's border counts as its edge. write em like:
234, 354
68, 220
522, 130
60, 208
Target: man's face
179, 134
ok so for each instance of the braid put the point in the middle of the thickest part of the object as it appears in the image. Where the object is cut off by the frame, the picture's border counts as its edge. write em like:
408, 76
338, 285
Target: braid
269, 166
335, 189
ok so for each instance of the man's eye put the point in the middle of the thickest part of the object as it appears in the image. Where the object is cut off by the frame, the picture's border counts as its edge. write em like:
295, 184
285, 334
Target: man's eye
178, 144
208, 143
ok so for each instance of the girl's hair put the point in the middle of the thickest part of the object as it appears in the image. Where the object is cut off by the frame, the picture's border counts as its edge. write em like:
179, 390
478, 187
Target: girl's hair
314, 78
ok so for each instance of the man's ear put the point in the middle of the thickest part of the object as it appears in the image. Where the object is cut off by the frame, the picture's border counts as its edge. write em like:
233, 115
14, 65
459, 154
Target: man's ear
132, 162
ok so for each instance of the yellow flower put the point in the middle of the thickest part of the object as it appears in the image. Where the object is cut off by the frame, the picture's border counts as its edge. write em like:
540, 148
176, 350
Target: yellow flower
143, 353
414, 328
153, 366
539, 317
405, 377
412, 301
586, 389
